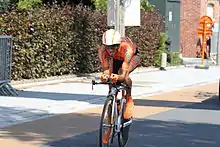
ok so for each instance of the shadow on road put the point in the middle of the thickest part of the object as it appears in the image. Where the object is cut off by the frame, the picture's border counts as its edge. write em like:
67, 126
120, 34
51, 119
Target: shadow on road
211, 103
57, 96
154, 133
81, 130
52, 128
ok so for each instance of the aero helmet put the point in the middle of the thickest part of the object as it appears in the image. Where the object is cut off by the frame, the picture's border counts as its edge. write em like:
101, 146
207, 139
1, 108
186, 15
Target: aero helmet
111, 37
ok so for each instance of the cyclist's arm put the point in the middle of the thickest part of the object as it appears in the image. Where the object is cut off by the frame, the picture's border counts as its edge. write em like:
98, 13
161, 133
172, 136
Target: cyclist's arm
125, 65
103, 58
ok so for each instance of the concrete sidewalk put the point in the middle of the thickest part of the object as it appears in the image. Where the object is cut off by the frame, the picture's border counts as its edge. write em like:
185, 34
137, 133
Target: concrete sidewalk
76, 94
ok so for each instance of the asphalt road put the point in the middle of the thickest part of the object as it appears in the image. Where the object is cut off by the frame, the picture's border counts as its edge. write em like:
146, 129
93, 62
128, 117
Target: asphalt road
184, 118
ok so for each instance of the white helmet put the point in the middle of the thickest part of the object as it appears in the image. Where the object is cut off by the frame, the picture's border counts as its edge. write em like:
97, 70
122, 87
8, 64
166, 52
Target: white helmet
111, 37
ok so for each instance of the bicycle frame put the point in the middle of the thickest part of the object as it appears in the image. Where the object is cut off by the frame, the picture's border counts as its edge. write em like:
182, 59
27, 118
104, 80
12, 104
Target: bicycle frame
113, 92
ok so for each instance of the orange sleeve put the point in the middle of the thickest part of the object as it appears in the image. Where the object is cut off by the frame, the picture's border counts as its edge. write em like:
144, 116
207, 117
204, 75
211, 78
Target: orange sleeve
103, 57
127, 58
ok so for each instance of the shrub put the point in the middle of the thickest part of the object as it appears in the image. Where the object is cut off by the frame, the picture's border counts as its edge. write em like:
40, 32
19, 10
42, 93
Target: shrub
174, 59
161, 49
147, 36
63, 40
88, 29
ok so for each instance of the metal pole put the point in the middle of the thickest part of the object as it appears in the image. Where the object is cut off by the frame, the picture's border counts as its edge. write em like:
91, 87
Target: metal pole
218, 43
117, 20
122, 17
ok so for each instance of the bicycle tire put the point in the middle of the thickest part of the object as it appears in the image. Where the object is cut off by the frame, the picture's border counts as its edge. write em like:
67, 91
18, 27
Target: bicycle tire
124, 132
108, 103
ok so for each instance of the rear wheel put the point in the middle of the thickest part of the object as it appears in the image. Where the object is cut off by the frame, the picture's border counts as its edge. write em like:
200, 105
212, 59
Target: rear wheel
107, 123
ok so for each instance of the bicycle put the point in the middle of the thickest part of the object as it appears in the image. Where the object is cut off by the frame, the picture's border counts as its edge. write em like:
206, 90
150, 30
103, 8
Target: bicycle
114, 108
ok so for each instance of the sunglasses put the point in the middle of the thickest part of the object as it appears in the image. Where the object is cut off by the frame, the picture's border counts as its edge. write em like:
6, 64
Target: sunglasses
111, 46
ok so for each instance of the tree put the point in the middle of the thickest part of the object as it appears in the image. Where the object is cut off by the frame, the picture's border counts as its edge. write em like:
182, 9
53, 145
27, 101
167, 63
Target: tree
29, 4
146, 6
102, 5
7, 4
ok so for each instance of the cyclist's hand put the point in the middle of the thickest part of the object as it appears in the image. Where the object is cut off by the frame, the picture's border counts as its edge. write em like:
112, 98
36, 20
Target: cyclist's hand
104, 77
106, 72
114, 78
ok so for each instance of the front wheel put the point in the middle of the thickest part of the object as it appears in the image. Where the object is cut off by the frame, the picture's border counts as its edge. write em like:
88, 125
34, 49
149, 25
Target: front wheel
107, 128
124, 131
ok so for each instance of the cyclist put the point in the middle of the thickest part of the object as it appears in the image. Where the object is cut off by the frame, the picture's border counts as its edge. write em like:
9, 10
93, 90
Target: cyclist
118, 57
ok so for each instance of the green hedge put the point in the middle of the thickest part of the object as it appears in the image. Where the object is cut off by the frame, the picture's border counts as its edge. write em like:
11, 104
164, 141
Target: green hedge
147, 36
66, 38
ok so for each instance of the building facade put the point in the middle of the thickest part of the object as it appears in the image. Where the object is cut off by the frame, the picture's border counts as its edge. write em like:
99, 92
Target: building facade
190, 13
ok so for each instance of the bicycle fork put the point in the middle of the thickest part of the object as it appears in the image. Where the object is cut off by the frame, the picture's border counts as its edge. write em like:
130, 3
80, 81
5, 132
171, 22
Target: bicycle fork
120, 115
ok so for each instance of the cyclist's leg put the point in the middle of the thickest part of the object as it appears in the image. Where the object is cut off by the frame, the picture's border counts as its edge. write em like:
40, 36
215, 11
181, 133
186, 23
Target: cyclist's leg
116, 66
135, 61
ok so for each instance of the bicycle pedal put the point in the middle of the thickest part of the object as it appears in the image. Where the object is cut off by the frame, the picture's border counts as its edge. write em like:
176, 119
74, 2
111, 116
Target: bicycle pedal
127, 120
